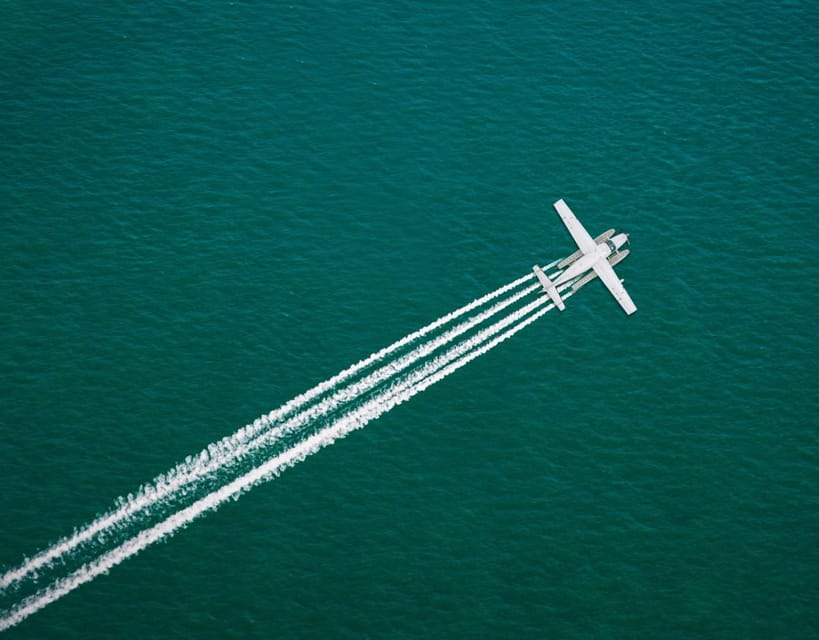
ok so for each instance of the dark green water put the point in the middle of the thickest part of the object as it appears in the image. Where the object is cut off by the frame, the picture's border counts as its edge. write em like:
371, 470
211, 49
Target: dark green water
206, 209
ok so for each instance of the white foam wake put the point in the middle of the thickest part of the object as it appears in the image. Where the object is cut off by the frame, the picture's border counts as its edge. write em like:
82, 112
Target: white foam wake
398, 392
243, 441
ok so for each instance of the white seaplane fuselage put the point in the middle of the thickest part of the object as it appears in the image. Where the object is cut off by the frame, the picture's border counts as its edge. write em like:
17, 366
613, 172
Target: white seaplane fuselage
586, 262
593, 254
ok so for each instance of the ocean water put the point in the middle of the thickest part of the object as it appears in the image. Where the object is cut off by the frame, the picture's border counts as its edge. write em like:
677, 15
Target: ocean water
207, 209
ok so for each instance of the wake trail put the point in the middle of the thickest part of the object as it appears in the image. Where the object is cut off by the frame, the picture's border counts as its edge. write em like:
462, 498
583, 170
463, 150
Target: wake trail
399, 392
242, 442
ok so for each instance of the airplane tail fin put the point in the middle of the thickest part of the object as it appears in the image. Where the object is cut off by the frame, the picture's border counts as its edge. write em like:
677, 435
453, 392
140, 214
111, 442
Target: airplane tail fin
549, 287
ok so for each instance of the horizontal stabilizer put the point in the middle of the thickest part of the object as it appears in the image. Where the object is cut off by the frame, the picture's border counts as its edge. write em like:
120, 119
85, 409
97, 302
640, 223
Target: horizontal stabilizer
549, 287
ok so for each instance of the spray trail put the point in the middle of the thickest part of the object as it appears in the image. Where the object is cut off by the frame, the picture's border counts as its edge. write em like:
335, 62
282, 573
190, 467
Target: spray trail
400, 391
246, 439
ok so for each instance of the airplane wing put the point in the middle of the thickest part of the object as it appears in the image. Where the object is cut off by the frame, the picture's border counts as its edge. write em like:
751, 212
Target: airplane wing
613, 284
578, 231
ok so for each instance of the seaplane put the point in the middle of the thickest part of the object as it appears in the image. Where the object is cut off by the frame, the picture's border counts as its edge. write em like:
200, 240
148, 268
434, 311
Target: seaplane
594, 257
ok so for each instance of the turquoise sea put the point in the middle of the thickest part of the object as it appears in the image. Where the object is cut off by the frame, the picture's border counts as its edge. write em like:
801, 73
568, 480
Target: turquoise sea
208, 208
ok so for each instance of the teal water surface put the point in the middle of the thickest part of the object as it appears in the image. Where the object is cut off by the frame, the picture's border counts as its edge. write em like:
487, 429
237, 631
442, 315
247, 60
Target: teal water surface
205, 209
